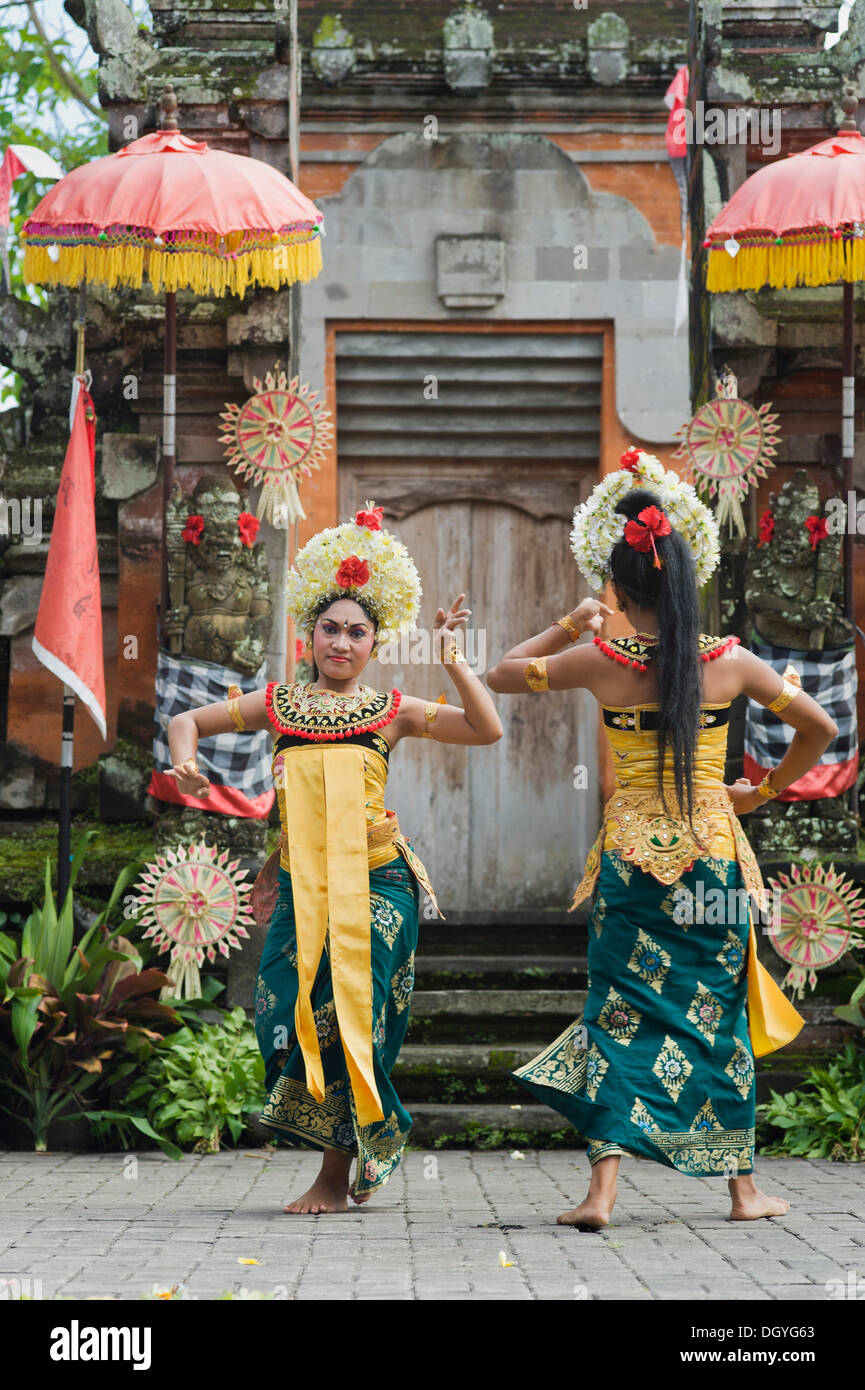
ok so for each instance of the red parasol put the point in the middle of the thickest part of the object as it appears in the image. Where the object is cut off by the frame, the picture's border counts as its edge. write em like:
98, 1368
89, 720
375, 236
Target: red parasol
187, 216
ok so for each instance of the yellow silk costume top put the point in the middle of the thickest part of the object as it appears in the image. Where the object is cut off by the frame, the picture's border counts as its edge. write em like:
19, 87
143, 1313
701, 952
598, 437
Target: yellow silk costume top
636, 826
330, 769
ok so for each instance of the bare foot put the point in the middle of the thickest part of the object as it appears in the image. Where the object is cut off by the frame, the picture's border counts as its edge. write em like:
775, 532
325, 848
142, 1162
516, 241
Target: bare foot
752, 1204
591, 1215
324, 1195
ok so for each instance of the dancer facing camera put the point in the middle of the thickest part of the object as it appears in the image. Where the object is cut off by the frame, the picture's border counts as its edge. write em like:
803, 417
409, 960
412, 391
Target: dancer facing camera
337, 971
661, 1063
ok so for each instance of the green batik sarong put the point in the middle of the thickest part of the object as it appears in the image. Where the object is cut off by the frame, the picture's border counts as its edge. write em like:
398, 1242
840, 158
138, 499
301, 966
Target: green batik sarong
660, 1063
291, 1111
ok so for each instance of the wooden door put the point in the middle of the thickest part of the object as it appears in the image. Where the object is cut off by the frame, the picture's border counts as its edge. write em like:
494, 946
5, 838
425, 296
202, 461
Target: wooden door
501, 828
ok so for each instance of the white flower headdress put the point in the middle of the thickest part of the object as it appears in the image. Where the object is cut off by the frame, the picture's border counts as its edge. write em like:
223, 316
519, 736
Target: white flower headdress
362, 561
598, 527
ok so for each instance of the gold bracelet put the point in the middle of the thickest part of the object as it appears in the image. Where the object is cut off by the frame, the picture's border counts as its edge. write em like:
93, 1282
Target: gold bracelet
535, 674
430, 711
570, 627
453, 656
765, 789
789, 691
237, 719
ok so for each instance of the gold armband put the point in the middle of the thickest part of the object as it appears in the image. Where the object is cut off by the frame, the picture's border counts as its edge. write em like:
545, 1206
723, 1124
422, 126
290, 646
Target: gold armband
430, 710
570, 627
234, 714
789, 691
536, 674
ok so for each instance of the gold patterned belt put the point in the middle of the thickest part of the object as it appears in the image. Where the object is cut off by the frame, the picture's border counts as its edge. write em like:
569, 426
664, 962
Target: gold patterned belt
638, 828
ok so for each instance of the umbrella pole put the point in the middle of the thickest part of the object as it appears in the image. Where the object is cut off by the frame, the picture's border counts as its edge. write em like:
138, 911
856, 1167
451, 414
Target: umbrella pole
848, 389
64, 828
169, 401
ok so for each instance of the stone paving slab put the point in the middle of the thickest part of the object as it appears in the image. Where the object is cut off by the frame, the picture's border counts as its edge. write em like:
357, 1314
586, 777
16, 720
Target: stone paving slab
82, 1225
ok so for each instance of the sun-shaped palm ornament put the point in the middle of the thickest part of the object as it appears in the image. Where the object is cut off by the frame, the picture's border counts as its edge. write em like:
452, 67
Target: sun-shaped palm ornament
276, 438
729, 445
193, 905
818, 915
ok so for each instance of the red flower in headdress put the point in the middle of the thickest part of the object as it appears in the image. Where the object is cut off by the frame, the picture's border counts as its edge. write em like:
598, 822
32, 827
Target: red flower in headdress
767, 528
353, 573
193, 530
299, 649
640, 534
817, 529
630, 459
248, 525
371, 519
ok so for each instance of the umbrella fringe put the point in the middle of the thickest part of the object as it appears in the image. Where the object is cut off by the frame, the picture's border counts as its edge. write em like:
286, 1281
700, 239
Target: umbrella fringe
784, 267
167, 271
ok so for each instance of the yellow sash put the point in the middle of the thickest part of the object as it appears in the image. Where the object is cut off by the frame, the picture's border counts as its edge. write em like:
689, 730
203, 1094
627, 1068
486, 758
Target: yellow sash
772, 1020
327, 842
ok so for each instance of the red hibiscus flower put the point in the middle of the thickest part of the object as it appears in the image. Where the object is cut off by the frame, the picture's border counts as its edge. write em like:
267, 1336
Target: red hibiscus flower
630, 459
353, 573
248, 525
193, 530
370, 519
640, 534
817, 529
299, 650
767, 528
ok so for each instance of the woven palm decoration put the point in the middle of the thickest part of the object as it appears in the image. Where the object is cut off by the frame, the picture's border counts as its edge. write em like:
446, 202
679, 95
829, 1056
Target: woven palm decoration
818, 915
276, 438
193, 904
728, 446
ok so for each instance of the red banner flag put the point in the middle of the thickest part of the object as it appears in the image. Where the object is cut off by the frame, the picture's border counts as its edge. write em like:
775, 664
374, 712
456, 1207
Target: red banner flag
68, 634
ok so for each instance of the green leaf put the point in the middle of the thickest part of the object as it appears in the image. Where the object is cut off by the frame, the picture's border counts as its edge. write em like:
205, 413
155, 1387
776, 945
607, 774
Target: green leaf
142, 1124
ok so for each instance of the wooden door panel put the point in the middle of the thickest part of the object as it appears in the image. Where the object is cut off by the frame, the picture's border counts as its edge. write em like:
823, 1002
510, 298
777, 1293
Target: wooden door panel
500, 827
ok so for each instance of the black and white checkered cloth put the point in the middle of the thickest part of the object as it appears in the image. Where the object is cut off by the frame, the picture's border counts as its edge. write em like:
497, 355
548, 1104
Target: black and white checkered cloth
829, 677
238, 760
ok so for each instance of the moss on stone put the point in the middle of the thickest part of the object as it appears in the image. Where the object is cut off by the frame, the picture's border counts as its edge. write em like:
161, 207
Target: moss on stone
26, 846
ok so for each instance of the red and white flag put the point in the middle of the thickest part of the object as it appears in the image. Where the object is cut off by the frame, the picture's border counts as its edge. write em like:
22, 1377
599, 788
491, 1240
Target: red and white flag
68, 634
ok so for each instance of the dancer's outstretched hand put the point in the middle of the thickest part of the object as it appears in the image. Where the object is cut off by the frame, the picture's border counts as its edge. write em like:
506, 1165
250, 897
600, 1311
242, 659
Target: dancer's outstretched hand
447, 622
190, 782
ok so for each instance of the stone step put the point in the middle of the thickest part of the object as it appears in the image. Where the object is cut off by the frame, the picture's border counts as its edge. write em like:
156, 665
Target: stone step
463, 1072
488, 1015
497, 1003
491, 1127
509, 933
521, 971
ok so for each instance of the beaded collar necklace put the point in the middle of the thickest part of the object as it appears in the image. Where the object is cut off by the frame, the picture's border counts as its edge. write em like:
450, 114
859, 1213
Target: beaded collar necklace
640, 649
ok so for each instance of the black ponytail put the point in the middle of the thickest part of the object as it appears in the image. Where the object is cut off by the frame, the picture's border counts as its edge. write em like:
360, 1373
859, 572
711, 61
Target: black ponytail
672, 592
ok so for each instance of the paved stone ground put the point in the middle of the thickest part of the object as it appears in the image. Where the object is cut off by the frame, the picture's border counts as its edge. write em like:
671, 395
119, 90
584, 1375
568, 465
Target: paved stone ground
118, 1224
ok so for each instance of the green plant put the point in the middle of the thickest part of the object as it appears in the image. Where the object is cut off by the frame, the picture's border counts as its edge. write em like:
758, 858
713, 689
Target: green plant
68, 1008
825, 1117
196, 1084
854, 1010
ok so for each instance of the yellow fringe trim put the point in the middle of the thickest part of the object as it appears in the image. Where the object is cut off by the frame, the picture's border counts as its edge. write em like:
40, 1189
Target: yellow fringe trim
206, 275
784, 267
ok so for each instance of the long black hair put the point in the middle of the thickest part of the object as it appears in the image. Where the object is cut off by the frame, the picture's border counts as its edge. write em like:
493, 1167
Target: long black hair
322, 607
672, 592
